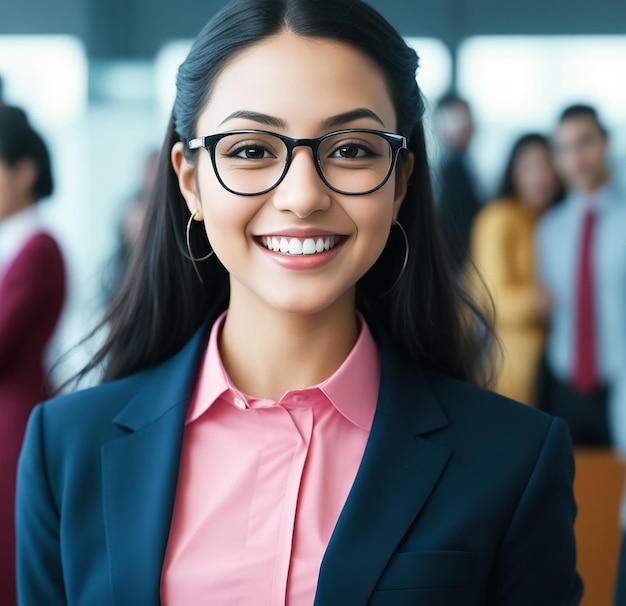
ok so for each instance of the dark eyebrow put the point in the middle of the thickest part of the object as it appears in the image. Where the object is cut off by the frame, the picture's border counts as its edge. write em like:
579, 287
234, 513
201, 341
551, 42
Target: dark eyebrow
327, 124
343, 119
256, 117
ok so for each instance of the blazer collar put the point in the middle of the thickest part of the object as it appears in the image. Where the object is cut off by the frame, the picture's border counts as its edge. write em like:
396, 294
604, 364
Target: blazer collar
405, 396
140, 474
164, 387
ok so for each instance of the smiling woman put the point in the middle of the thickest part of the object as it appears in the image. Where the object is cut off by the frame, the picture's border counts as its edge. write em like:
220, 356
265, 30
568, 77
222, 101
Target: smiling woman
291, 410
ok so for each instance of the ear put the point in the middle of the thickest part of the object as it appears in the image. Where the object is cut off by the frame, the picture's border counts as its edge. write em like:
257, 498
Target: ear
403, 174
186, 173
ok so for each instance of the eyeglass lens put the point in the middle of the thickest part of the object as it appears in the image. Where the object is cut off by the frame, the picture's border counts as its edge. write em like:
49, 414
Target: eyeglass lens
354, 162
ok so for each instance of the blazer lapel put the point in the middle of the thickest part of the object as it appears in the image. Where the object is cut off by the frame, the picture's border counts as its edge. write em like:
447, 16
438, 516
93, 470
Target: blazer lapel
139, 477
398, 472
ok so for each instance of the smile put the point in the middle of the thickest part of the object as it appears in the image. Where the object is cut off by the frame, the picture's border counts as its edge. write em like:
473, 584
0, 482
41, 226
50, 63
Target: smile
299, 246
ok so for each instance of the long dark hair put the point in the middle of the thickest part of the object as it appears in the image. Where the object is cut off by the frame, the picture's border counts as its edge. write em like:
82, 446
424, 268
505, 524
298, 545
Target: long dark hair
426, 317
507, 186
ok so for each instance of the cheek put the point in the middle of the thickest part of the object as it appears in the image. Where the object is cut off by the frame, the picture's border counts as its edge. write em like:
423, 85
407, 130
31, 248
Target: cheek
373, 219
8, 191
225, 217
568, 162
597, 156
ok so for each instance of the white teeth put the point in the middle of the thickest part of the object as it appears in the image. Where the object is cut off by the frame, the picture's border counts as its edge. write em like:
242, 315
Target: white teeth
296, 246
308, 247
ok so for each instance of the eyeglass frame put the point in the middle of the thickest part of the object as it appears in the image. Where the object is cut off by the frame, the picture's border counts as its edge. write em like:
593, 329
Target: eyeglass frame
209, 142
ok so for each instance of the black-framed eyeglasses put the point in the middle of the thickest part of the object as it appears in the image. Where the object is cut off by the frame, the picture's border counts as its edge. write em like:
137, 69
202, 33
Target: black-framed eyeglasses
253, 162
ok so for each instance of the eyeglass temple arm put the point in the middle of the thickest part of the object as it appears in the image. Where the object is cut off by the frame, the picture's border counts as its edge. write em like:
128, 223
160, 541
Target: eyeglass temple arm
196, 143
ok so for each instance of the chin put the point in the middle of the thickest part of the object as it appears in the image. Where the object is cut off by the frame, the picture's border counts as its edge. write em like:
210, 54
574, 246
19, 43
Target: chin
308, 303
302, 308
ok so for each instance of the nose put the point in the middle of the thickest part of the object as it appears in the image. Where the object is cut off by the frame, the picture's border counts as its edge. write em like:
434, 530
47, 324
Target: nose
302, 191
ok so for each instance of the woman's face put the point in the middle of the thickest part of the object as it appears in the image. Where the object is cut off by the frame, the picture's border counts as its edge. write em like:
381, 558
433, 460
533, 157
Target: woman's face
534, 177
16, 183
299, 87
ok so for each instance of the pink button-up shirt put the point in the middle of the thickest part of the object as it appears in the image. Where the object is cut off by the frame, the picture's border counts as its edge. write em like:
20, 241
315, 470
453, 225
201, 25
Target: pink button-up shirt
262, 483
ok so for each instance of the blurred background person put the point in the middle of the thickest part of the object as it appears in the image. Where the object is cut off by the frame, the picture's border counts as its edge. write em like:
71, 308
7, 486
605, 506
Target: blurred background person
502, 247
130, 226
456, 196
582, 258
32, 290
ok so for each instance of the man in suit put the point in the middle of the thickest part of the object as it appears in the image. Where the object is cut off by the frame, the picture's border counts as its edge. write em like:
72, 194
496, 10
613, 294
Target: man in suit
457, 200
582, 262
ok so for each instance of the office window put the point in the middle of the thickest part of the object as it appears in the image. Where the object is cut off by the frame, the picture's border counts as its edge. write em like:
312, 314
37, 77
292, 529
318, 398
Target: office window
45, 74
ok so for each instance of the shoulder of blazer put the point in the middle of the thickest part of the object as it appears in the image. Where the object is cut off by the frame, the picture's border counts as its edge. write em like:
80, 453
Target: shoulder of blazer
481, 421
458, 396
39, 251
415, 393
459, 415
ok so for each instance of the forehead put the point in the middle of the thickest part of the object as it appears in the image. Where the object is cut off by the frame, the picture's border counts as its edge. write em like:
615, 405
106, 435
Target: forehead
576, 127
530, 156
300, 80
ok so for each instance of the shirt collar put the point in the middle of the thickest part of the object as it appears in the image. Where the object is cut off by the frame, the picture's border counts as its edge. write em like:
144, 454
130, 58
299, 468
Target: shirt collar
604, 197
352, 389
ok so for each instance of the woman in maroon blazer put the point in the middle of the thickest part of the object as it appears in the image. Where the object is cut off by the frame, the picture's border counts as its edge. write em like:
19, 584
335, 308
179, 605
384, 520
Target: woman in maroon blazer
32, 287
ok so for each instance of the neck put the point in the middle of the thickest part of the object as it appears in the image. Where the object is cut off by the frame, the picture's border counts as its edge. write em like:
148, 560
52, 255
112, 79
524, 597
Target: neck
591, 189
268, 352
15, 209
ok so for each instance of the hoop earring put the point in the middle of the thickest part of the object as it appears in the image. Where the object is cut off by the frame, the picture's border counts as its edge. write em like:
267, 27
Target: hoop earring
406, 257
193, 259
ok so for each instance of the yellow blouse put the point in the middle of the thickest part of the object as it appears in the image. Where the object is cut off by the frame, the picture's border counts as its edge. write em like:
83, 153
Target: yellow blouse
502, 247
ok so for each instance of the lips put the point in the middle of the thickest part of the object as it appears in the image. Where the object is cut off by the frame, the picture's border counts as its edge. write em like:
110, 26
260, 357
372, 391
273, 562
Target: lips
300, 246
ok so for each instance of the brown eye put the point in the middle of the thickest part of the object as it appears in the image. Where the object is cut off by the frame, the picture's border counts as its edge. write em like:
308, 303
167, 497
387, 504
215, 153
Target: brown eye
251, 153
348, 151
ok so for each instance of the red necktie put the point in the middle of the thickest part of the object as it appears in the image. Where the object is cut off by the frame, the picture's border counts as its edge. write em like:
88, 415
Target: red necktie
585, 376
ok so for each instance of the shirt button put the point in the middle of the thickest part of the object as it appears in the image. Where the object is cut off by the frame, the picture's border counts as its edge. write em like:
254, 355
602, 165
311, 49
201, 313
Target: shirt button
240, 404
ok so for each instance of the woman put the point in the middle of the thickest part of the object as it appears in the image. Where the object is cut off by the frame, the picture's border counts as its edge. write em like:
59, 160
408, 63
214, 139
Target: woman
294, 423
32, 284
503, 250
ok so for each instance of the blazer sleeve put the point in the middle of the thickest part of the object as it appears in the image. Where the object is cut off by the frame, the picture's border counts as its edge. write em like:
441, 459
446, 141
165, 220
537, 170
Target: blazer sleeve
31, 294
39, 568
536, 562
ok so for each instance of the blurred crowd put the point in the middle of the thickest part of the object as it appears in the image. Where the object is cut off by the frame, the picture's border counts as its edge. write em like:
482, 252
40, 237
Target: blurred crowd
547, 254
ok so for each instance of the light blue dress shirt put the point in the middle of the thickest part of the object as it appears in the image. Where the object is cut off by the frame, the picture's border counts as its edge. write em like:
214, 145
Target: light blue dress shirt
559, 244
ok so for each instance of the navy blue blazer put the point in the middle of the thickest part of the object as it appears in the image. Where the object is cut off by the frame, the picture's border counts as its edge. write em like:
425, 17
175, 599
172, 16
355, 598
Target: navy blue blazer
462, 497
